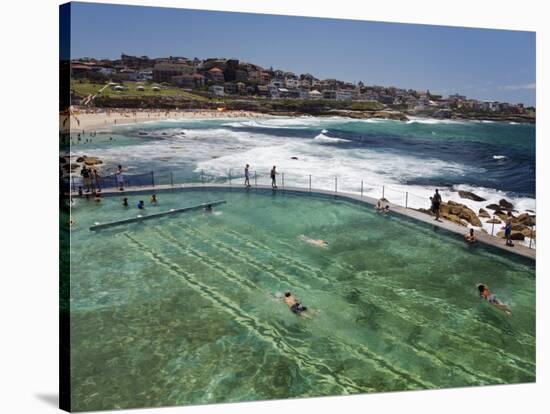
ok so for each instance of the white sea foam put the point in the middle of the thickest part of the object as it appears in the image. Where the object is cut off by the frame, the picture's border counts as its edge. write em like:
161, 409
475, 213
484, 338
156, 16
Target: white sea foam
499, 157
323, 138
432, 121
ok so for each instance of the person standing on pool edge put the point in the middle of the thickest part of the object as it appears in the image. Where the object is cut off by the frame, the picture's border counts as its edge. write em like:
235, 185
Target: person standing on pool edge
273, 175
436, 204
246, 176
508, 230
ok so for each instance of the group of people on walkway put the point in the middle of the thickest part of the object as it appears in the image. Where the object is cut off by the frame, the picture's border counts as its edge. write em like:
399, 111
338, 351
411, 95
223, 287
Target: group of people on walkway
272, 174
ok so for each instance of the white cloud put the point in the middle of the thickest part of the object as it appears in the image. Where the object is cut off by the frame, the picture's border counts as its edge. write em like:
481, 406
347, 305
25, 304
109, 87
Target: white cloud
528, 86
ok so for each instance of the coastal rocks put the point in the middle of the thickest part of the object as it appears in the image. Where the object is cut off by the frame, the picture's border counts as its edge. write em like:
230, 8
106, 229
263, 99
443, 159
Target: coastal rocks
483, 213
526, 219
493, 207
452, 208
92, 161
516, 235
81, 159
293, 158
494, 221
455, 219
469, 195
506, 204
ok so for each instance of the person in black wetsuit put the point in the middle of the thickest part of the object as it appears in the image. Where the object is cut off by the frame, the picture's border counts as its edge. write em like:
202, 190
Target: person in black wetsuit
436, 204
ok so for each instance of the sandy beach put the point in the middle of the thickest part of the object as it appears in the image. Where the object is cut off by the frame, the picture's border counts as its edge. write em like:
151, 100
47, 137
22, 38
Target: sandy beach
95, 120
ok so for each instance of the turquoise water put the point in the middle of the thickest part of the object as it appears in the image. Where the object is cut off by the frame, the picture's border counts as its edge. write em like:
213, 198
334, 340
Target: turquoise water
184, 309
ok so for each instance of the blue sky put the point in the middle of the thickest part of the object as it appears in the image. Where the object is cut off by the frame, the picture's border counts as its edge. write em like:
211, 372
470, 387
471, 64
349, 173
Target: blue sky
480, 63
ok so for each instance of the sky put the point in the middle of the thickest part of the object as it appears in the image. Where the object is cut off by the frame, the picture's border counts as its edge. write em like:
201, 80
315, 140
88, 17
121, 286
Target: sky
485, 64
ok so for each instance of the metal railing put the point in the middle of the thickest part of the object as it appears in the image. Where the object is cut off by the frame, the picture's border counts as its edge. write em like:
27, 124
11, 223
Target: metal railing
399, 197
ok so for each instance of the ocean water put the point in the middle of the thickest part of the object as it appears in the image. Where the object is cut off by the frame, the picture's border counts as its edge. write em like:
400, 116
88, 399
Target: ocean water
187, 310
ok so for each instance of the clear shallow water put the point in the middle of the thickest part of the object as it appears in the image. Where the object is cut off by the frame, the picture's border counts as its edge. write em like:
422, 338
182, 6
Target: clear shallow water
182, 310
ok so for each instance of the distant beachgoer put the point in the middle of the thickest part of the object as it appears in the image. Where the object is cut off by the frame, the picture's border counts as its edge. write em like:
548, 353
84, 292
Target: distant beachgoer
97, 198
80, 192
141, 205
246, 176
436, 204
492, 299
293, 303
273, 175
208, 208
85, 173
125, 202
470, 237
154, 199
314, 242
508, 230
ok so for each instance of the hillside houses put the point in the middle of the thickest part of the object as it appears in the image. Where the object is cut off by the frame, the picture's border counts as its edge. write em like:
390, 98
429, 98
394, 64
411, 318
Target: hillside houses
229, 76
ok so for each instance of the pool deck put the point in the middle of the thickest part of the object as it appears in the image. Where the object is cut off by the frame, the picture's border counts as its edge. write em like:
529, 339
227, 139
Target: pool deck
407, 212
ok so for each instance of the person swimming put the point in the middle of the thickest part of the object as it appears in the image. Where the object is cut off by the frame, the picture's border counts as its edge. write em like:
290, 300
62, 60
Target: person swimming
492, 299
470, 237
154, 199
293, 303
141, 205
313, 242
125, 202
208, 208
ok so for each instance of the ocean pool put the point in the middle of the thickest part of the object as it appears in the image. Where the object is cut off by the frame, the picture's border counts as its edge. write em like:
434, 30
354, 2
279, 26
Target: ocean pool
184, 309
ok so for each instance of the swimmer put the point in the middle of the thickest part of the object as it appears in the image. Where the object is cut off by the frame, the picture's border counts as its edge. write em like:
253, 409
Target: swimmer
491, 298
97, 198
208, 208
154, 199
313, 242
382, 206
125, 202
293, 303
141, 205
470, 237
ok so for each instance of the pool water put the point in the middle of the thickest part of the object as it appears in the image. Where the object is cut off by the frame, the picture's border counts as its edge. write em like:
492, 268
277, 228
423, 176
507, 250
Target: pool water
186, 309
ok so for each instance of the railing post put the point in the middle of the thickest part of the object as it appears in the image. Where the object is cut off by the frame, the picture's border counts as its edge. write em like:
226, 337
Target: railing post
202, 177
310, 183
493, 225
230, 176
531, 238
361, 188
255, 179
406, 199
171, 179
383, 191
335, 184
153, 178
283, 179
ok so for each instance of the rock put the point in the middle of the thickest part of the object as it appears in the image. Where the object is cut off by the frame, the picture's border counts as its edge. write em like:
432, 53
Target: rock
471, 196
62, 160
74, 166
293, 158
454, 218
519, 227
493, 207
483, 213
528, 233
452, 208
506, 204
81, 159
92, 161
516, 235
494, 221
526, 220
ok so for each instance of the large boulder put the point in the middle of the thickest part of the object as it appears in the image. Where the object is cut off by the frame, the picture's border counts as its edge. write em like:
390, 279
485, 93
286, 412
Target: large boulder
516, 235
92, 161
529, 233
493, 207
81, 159
452, 208
483, 213
506, 204
526, 219
454, 218
469, 195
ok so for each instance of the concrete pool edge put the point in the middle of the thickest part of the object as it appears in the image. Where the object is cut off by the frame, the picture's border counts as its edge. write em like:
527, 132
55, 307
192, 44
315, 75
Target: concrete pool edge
415, 215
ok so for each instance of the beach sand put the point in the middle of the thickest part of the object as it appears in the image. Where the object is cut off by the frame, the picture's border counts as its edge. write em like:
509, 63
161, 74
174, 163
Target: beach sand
90, 120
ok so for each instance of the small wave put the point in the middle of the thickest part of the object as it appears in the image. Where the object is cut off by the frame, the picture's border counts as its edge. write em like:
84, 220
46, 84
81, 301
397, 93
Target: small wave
499, 157
324, 138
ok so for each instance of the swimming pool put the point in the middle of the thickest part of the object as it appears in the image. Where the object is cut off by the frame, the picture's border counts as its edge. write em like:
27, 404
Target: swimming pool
184, 309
